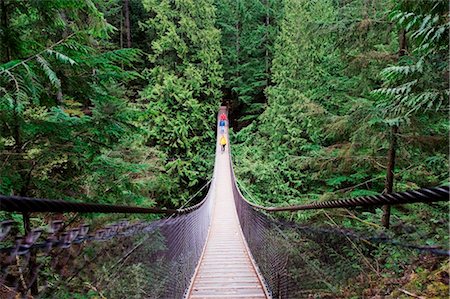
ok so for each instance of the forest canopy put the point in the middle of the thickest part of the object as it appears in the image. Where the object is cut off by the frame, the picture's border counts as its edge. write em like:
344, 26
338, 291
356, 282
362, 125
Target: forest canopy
115, 101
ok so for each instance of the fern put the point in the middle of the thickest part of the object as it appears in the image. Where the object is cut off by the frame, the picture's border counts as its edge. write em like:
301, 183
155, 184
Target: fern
397, 72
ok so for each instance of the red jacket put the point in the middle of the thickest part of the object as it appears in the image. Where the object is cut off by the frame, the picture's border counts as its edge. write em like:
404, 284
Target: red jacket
223, 116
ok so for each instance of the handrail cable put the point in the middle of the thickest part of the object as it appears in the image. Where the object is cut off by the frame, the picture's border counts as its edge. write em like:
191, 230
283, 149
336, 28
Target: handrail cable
349, 235
424, 195
123, 258
28, 204
149, 235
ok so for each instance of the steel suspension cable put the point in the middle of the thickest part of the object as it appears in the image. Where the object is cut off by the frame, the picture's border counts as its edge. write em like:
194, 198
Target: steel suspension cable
304, 261
170, 217
183, 244
424, 195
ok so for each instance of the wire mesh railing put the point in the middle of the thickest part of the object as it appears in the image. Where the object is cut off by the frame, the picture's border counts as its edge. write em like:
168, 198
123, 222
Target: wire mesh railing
76, 255
67, 255
151, 259
317, 261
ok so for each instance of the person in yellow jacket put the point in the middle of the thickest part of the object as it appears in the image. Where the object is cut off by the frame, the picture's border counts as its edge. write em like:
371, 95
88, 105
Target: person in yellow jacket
223, 142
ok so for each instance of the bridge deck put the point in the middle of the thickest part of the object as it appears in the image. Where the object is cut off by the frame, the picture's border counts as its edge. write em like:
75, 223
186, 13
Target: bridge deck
226, 269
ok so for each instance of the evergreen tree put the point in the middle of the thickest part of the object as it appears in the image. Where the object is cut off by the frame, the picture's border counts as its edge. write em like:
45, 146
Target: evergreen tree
248, 32
419, 82
66, 123
340, 80
292, 126
323, 132
183, 94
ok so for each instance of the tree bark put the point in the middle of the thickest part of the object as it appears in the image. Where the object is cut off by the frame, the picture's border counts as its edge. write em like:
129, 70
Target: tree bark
237, 44
4, 26
267, 23
403, 47
121, 28
389, 185
126, 6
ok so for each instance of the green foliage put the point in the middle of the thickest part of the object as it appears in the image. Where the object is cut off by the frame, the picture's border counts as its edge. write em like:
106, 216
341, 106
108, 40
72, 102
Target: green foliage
67, 128
248, 32
323, 134
419, 82
313, 86
183, 93
337, 87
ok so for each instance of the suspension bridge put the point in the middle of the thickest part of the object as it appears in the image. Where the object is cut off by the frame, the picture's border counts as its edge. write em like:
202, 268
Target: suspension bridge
222, 247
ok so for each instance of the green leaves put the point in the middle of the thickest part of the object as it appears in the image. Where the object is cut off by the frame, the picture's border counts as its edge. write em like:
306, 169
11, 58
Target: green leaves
336, 89
68, 128
426, 30
249, 29
48, 71
183, 93
417, 83
61, 57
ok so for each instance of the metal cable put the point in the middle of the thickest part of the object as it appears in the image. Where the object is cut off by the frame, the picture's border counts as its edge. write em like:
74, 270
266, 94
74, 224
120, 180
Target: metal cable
295, 261
305, 261
168, 249
26, 204
182, 238
425, 195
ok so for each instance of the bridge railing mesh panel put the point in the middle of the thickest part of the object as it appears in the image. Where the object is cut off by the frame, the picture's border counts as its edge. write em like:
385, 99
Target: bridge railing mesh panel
317, 262
125, 259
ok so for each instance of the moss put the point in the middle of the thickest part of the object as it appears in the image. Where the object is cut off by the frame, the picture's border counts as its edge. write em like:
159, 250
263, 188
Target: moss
427, 283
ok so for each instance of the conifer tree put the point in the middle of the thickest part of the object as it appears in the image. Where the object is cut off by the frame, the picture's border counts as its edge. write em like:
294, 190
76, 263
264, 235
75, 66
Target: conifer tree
248, 33
323, 129
183, 94
65, 119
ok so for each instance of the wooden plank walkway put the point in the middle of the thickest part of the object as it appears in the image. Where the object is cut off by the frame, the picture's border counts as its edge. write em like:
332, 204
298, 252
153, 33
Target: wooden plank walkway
226, 269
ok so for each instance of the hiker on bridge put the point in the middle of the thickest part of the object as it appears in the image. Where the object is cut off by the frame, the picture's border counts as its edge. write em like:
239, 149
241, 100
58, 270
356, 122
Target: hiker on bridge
223, 117
223, 142
222, 126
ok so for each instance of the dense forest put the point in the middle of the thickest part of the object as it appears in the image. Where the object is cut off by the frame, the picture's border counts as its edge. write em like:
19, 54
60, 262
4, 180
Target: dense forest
115, 101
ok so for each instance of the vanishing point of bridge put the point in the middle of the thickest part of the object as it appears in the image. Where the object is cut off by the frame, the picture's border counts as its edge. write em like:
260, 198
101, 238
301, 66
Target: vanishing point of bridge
226, 268
221, 247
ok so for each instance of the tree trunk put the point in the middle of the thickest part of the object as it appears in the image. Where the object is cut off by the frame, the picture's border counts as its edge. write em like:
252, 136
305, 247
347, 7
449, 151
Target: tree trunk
267, 23
237, 44
403, 45
121, 28
4, 26
389, 185
127, 22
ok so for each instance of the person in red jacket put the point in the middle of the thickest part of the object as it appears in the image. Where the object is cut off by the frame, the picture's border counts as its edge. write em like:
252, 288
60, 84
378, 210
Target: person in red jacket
222, 122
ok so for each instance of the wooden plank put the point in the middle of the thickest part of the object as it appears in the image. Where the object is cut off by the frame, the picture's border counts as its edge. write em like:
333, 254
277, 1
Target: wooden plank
226, 269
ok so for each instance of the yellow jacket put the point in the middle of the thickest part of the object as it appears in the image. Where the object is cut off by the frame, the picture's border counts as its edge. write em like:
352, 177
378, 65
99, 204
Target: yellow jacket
223, 141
